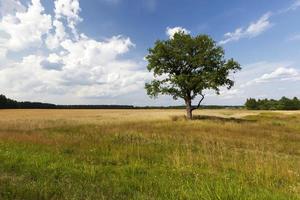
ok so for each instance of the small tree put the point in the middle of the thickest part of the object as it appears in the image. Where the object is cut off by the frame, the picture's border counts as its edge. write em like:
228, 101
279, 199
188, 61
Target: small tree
251, 104
185, 66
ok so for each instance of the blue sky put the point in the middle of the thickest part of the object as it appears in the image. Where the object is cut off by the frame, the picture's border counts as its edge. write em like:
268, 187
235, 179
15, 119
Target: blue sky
70, 51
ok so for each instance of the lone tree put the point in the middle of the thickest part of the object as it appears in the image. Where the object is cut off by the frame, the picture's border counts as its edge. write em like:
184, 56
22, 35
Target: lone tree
184, 66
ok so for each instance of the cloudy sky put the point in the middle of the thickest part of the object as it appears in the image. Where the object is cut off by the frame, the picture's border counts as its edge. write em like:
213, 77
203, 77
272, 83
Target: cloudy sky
91, 52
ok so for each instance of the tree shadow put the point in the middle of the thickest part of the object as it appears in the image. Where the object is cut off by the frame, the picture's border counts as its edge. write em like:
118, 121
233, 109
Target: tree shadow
222, 119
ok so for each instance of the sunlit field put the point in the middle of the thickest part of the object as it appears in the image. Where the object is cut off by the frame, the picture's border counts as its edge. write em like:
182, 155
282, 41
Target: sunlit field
149, 154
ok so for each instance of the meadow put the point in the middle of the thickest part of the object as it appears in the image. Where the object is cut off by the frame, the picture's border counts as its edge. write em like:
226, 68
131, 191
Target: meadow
149, 154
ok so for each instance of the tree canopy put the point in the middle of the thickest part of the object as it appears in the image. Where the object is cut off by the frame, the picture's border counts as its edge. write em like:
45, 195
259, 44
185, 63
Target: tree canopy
184, 66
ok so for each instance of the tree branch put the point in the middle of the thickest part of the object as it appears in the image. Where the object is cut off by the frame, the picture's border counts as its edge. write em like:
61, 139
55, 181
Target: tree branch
202, 97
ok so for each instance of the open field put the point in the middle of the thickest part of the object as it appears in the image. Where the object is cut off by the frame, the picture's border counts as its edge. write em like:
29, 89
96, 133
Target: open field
149, 154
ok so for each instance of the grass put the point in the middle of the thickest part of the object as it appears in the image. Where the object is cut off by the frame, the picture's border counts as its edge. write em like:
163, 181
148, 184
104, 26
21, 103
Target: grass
149, 154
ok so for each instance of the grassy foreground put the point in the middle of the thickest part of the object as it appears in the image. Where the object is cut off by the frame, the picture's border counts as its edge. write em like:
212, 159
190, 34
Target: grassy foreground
149, 154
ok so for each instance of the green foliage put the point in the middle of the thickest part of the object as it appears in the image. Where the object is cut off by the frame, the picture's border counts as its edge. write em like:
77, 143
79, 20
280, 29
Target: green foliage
184, 66
270, 104
7, 103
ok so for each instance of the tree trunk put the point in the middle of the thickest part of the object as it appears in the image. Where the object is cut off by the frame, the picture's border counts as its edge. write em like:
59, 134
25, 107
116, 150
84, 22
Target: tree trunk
189, 109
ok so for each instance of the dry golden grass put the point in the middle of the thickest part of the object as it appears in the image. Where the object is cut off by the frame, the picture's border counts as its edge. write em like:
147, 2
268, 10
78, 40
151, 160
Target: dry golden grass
119, 115
149, 154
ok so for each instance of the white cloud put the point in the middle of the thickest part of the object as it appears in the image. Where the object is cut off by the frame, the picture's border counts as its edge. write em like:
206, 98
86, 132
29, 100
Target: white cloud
54, 39
70, 63
279, 74
25, 29
258, 27
253, 30
96, 68
54, 58
265, 79
261, 79
10, 7
68, 9
263, 72
171, 31
229, 94
3, 52
28, 76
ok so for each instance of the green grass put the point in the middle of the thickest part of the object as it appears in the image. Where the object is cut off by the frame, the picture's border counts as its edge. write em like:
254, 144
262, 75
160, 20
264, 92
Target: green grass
258, 158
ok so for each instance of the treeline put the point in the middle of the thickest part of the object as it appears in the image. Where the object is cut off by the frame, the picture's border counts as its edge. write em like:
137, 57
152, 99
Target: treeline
271, 104
184, 107
6, 103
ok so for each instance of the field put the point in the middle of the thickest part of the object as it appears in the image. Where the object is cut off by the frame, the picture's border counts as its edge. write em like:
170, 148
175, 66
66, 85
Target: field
149, 154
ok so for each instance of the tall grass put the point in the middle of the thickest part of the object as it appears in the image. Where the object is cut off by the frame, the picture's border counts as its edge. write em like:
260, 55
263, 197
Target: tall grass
148, 154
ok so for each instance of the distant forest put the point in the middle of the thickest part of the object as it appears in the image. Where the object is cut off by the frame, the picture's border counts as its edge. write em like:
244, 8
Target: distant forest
251, 104
270, 104
6, 103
